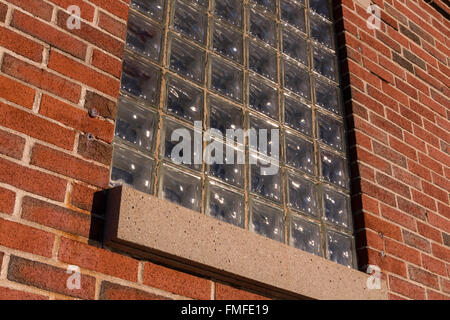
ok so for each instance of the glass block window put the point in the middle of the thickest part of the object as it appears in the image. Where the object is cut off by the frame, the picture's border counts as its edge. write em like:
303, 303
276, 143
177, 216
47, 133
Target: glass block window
202, 67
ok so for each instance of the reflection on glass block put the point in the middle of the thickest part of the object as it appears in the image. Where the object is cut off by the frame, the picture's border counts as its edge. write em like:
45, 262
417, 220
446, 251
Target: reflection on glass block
268, 5
295, 46
140, 80
226, 79
262, 61
187, 60
183, 100
257, 125
333, 168
301, 194
225, 205
321, 7
136, 125
298, 116
293, 14
153, 8
227, 42
336, 207
223, 116
296, 79
327, 96
339, 248
321, 30
330, 131
230, 10
262, 27
203, 3
305, 236
179, 187
265, 178
190, 21
144, 37
131, 168
263, 98
266, 221
325, 64
180, 150
231, 169
299, 153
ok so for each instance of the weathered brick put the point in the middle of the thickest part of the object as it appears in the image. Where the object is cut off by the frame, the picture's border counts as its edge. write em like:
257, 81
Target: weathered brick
94, 150
114, 291
424, 277
416, 241
105, 107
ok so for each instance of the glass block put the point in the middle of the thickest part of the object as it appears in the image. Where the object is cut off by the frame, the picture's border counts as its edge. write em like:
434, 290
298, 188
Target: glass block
266, 221
203, 3
268, 5
262, 27
144, 37
140, 80
301, 194
226, 79
223, 116
229, 10
299, 153
179, 187
325, 64
339, 248
322, 7
305, 236
225, 205
265, 178
327, 96
262, 61
256, 124
184, 100
227, 42
136, 125
131, 168
293, 14
187, 60
336, 207
330, 131
152, 8
333, 168
296, 79
230, 170
321, 30
177, 149
263, 97
190, 21
295, 46
298, 115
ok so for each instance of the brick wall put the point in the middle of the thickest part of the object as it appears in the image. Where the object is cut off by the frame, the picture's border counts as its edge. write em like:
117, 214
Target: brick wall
54, 155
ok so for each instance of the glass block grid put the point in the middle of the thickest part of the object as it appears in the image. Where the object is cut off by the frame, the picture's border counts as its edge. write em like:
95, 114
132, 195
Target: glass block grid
239, 64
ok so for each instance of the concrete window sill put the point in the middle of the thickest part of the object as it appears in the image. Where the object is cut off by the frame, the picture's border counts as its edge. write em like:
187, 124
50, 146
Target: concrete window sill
148, 227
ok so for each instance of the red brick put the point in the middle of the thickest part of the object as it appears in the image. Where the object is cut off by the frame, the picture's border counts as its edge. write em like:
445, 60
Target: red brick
106, 108
423, 199
12, 294
368, 238
386, 262
116, 7
225, 292
96, 259
49, 34
431, 104
416, 241
36, 127
403, 252
20, 237
94, 150
395, 93
114, 291
398, 217
107, 63
444, 210
406, 288
419, 170
3, 11
113, 26
53, 216
413, 141
176, 282
370, 130
393, 185
433, 265
441, 252
445, 284
16, 92
433, 295
70, 166
82, 196
424, 277
376, 192
35, 7
416, 83
50, 278
407, 178
429, 232
7, 200
76, 118
82, 73
32, 180
379, 71
389, 154
386, 125
439, 222
20, 45
86, 9
373, 160
411, 208
399, 120
378, 225
41, 78
11, 145
435, 192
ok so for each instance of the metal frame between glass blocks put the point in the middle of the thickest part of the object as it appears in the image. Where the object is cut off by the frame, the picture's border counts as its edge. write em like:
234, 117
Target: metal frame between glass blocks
245, 64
